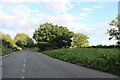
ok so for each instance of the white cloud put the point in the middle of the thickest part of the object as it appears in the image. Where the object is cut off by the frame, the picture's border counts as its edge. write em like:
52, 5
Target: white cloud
83, 14
53, 5
97, 34
87, 9
98, 6
19, 20
57, 6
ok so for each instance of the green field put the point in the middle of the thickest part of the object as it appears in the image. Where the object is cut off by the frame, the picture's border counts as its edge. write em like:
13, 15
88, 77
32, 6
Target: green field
107, 60
5, 51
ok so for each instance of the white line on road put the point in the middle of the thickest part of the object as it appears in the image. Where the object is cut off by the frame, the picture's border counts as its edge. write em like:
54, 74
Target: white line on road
24, 65
23, 70
23, 77
24, 61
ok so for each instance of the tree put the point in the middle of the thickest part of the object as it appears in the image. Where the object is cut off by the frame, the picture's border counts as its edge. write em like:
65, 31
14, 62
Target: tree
6, 40
23, 40
80, 40
115, 31
21, 43
30, 42
20, 36
52, 36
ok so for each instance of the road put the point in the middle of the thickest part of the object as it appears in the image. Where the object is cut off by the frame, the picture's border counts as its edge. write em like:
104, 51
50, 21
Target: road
32, 64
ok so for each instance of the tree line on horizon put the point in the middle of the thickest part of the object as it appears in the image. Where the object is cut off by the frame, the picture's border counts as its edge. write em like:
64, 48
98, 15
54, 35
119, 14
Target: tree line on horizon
48, 36
20, 41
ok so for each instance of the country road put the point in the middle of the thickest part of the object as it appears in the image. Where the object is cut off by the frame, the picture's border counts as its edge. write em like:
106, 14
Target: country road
32, 64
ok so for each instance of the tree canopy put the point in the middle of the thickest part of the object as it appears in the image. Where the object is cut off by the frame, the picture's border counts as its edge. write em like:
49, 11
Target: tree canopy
53, 36
80, 40
115, 31
23, 40
6, 40
20, 36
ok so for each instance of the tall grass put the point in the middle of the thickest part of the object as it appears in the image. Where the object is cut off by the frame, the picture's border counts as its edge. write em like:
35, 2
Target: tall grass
107, 60
5, 51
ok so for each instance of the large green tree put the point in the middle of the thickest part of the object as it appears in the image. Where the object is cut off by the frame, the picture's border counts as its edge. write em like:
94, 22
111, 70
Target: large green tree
23, 40
115, 31
6, 40
52, 36
80, 40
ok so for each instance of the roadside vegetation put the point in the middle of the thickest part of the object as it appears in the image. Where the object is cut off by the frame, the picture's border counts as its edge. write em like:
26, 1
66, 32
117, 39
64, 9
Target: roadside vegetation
8, 44
107, 60
5, 51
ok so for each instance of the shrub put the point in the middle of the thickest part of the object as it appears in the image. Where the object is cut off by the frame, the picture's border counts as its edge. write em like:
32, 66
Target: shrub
6, 51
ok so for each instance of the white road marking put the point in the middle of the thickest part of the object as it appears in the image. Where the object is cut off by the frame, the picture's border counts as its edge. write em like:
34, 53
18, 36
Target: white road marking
24, 65
23, 77
23, 70
24, 61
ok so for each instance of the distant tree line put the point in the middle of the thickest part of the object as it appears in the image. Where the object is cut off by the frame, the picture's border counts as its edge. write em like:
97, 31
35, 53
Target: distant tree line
103, 46
20, 41
48, 36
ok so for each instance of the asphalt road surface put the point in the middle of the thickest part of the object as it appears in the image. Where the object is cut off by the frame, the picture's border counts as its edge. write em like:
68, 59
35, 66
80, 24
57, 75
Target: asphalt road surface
32, 64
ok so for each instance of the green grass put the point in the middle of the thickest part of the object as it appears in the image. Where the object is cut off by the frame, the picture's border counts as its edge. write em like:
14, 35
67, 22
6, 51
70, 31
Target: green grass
5, 51
107, 60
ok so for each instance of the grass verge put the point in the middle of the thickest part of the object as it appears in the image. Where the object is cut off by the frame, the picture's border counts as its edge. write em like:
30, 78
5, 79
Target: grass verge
107, 60
5, 51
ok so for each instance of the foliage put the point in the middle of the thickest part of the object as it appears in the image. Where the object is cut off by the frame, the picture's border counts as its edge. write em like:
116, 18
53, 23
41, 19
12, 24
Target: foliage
43, 45
96, 58
21, 36
21, 43
6, 40
103, 46
80, 40
5, 51
30, 42
115, 31
58, 36
23, 40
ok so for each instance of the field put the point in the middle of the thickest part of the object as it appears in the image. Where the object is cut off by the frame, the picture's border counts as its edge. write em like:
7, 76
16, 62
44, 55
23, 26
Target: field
4, 51
107, 60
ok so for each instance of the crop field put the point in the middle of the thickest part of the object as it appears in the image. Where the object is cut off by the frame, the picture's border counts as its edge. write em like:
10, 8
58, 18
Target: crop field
107, 60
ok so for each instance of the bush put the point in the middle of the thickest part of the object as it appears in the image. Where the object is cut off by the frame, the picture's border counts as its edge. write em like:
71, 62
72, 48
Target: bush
6, 51
43, 46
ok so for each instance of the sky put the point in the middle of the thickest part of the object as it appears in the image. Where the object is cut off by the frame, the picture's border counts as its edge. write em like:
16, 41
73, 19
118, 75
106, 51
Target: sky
89, 17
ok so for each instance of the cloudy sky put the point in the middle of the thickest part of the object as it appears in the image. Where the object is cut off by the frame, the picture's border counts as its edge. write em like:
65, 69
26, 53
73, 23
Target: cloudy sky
87, 17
